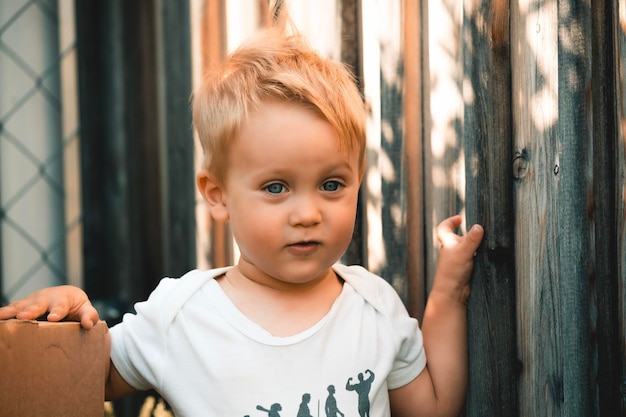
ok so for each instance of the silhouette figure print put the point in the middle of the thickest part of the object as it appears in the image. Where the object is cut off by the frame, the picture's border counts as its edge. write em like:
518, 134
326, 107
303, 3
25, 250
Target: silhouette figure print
273, 411
304, 411
362, 389
331, 404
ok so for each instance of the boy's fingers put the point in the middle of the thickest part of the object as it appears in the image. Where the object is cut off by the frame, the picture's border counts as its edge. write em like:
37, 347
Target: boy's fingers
31, 310
451, 223
58, 302
447, 236
475, 236
88, 316
7, 312
471, 241
79, 310
445, 230
58, 311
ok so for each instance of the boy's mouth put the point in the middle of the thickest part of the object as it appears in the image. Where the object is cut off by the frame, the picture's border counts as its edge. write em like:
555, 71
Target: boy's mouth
304, 247
304, 244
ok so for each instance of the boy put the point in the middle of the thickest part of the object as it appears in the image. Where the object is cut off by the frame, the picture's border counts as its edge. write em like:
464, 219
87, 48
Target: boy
283, 132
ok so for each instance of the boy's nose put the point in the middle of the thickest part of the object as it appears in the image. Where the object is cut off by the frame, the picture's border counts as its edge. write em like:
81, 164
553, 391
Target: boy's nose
305, 212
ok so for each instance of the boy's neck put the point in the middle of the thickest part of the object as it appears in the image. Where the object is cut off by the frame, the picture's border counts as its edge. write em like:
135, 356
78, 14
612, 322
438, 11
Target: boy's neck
246, 273
281, 308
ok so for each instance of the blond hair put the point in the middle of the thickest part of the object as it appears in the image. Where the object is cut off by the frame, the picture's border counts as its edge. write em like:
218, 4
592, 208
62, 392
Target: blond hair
275, 66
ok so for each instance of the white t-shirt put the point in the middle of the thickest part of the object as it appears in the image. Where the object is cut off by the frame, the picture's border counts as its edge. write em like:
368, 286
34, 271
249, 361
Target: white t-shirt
191, 344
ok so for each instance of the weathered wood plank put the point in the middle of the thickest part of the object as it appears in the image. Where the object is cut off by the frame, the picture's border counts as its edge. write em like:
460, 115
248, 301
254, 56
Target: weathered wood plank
175, 87
391, 154
145, 183
620, 179
487, 132
571, 237
212, 32
351, 52
605, 157
120, 173
444, 158
413, 150
105, 196
371, 193
71, 145
535, 119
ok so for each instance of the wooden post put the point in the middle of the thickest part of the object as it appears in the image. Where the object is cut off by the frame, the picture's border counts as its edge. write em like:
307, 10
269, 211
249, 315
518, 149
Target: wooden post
487, 132
535, 120
570, 235
392, 156
352, 56
620, 178
413, 150
112, 125
213, 47
177, 134
604, 81
108, 236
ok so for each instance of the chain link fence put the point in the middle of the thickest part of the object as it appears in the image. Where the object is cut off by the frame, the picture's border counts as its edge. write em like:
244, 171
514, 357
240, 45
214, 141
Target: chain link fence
39, 181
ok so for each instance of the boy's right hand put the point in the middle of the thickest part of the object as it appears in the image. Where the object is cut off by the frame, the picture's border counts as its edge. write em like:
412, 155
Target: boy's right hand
62, 302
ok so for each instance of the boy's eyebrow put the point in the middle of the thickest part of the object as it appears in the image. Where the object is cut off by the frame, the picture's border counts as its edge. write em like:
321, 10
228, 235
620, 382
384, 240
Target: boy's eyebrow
281, 170
344, 164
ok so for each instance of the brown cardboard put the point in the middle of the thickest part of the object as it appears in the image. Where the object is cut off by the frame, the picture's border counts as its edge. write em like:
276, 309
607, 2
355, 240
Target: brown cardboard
51, 369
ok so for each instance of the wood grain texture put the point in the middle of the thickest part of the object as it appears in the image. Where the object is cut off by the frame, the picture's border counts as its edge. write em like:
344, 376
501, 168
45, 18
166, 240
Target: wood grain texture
488, 142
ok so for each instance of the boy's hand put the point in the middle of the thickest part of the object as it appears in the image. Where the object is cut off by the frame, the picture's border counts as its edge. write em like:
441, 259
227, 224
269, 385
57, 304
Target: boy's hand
440, 388
62, 302
456, 258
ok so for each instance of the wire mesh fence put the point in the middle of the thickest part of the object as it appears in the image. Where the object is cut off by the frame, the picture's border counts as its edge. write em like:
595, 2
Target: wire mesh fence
34, 141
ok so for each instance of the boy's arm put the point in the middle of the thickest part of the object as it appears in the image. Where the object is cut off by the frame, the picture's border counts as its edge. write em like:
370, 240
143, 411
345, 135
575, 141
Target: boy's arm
440, 389
115, 386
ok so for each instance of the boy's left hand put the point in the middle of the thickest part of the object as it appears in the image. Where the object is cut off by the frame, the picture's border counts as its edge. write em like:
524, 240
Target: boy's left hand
456, 258
440, 388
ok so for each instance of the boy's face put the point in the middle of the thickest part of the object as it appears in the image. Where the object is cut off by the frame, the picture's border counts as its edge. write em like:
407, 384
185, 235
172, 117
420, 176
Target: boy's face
290, 195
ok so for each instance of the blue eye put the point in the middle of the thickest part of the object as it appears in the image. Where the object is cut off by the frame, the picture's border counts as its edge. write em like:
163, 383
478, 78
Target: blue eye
275, 188
331, 186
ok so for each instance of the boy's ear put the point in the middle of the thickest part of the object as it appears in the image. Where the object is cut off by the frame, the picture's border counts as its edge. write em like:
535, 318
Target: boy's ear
213, 194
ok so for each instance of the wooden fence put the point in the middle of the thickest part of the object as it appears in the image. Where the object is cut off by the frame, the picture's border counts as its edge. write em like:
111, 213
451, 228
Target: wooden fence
511, 113
544, 137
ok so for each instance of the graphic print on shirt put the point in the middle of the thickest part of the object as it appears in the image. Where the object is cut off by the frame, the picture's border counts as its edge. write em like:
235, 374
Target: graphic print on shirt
303, 410
273, 411
361, 387
331, 404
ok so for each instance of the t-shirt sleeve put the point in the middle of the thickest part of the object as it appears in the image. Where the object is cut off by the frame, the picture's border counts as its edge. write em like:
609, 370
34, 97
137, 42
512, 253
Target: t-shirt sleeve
138, 348
404, 330
410, 359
